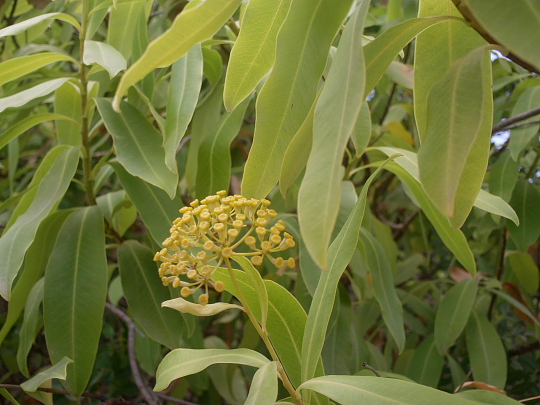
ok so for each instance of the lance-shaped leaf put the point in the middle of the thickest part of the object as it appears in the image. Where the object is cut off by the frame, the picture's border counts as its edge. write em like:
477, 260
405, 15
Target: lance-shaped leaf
56, 371
435, 50
503, 176
145, 293
23, 97
67, 101
122, 33
75, 293
334, 120
254, 51
186, 80
521, 137
24, 25
487, 397
525, 201
526, 270
453, 157
15, 242
264, 388
187, 307
258, 284
426, 364
285, 100
14, 68
193, 25
28, 330
453, 313
182, 362
105, 56
138, 145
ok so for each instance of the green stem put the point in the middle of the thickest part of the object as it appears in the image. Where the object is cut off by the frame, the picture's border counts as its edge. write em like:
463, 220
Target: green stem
264, 336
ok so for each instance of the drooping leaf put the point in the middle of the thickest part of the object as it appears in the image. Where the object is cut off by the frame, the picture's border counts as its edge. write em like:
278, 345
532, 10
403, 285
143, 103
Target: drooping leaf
503, 176
334, 120
458, 132
526, 270
254, 51
182, 362
59, 370
426, 364
453, 313
24, 25
521, 137
145, 294
23, 97
28, 331
190, 27
15, 242
14, 68
264, 388
187, 307
138, 145
525, 201
486, 351
105, 56
75, 293
487, 397
285, 100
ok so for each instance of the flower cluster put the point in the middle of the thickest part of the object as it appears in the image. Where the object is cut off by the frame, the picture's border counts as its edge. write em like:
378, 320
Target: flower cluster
207, 234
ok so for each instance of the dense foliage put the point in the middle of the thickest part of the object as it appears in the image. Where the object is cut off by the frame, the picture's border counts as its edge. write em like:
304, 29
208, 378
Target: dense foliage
343, 197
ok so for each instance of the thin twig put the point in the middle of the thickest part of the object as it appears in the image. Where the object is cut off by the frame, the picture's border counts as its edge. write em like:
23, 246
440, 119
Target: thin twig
148, 395
175, 400
529, 399
516, 118
464, 381
523, 125
364, 364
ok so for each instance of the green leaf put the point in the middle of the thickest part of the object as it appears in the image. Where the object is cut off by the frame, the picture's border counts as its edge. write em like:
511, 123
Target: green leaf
285, 100
14, 68
212, 66
190, 27
17, 239
525, 201
157, 210
187, 307
24, 25
59, 370
214, 163
512, 25
140, 279
435, 50
453, 157
487, 397
496, 205
28, 331
67, 101
254, 52
521, 137
5, 393
75, 292
453, 313
138, 145
512, 301
524, 267
362, 129
105, 56
182, 362
353, 390
122, 28
486, 351
258, 285
426, 364
383, 286
264, 387
186, 80
503, 176
334, 120
339, 255
21, 98
24, 125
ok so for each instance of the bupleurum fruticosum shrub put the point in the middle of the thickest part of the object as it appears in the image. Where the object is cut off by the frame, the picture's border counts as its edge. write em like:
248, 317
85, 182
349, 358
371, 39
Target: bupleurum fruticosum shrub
208, 233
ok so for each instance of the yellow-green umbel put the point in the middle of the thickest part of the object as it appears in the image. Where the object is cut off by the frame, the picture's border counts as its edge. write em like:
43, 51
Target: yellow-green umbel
214, 225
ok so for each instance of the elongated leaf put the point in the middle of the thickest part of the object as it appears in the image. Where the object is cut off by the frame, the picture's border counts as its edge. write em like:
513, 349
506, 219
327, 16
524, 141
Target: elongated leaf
138, 145
140, 279
453, 313
190, 27
28, 331
525, 201
426, 364
264, 388
254, 52
285, 100
157, 210
186, 80
67, 101
383, 287
362, 129
59, 370
187, 307
182, 362
512, 25
214, 164
514, 302
487, 397
5, 393
435, 50
23, 97
15, 242
334, 121
258, 285
503, 176
123, 19
453, 157
14, 68
354, 390
27, 123
105, 56
524, 267
486, 351
75, 293
24, 25
339, 254
520, 137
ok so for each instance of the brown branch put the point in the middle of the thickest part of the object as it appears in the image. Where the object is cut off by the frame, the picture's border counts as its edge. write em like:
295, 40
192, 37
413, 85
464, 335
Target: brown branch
464, 381
148, 395
512, 120
175, 400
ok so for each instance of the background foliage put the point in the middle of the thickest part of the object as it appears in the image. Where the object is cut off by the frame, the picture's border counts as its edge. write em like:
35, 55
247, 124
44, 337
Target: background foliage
115, 114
